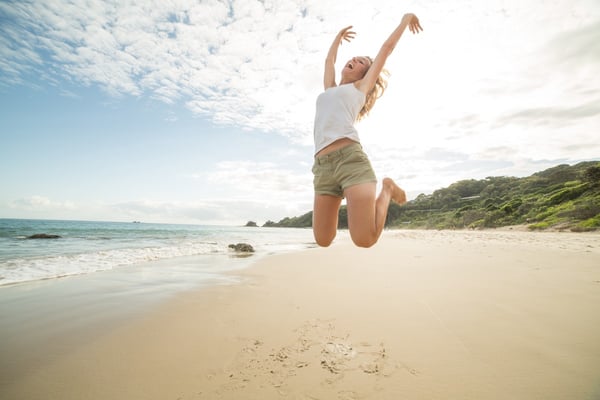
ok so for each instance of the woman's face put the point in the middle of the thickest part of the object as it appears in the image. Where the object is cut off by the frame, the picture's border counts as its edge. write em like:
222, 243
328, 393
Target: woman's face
356, 68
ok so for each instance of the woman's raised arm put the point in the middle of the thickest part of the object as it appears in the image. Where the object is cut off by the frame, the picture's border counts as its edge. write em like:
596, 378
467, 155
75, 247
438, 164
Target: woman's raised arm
408, 20
329, 75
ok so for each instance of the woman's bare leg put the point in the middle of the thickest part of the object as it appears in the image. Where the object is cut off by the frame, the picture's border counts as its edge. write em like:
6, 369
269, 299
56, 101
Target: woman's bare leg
367, 214
325, 218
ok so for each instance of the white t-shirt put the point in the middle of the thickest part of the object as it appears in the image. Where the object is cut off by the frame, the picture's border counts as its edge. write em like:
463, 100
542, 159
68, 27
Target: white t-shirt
337, 110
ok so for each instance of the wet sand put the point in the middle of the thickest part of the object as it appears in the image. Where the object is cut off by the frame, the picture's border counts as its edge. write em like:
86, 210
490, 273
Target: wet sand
422, 315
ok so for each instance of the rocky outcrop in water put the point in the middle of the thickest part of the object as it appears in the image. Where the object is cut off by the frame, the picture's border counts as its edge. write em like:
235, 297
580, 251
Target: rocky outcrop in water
242, 247
43, 236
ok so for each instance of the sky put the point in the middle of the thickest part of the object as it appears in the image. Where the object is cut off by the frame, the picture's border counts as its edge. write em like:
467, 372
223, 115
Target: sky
202, 111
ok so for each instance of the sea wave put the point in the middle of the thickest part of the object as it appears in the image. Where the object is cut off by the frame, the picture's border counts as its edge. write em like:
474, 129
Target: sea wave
24, 269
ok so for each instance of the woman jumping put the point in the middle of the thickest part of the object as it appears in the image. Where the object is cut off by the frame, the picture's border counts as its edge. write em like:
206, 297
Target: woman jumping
341, 168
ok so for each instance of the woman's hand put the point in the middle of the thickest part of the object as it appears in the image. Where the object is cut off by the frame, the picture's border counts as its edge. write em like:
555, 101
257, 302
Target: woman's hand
345, 34
329, 74
413, 22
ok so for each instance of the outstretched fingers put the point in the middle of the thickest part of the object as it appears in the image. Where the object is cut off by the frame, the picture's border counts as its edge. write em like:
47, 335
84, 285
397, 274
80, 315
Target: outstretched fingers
346, 34
416, 28
413, 24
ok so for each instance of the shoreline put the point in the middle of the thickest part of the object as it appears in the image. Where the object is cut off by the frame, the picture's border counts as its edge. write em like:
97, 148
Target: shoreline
427, 314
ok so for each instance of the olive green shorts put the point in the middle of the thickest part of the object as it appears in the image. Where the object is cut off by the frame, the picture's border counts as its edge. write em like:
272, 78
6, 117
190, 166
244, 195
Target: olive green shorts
340, 169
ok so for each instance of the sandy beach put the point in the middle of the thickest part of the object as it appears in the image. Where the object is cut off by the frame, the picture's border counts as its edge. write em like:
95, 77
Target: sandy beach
422, 315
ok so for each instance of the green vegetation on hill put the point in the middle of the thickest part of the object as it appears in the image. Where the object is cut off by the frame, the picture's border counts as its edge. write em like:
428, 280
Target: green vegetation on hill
562, 197
303, 221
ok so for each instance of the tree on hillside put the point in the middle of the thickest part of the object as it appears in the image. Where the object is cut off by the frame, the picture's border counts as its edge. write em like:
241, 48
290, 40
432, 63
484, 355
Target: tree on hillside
592, 175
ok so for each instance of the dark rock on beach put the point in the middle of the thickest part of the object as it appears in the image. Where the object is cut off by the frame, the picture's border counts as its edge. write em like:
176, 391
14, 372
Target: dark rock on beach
242, 247
43, 236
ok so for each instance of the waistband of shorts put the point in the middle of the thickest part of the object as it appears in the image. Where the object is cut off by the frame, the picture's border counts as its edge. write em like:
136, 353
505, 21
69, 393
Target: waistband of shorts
337, 154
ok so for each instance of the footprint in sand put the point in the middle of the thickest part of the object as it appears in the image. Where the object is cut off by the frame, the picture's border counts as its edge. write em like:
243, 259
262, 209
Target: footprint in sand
319, 353
341, 355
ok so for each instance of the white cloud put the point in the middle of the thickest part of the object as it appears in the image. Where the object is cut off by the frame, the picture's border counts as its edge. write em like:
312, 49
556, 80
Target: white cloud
40, 203
220, 211
263, 182
257, 64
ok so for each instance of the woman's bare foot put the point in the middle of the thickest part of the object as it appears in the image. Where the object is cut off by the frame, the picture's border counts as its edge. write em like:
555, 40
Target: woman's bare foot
398, 195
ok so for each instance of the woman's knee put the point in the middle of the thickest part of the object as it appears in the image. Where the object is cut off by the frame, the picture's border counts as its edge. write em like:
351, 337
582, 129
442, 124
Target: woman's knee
324, 240
364, 240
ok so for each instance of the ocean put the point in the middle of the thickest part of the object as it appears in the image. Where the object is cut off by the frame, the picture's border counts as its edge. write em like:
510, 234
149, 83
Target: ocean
86, 247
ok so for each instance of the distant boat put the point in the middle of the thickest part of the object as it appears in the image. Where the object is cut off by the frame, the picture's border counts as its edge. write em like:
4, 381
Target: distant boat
136, 222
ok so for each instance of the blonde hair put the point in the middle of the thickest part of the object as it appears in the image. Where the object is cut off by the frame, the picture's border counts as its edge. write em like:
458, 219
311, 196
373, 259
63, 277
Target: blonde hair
375, 93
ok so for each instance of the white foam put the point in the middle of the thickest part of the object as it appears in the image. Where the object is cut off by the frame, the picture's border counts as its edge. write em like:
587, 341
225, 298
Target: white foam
29, 269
